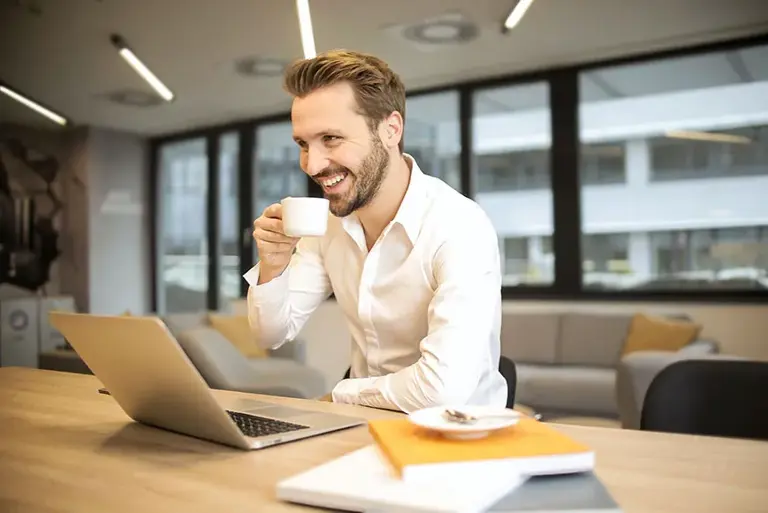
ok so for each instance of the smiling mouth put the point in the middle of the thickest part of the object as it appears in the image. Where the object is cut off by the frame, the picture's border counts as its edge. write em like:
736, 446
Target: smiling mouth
332, 183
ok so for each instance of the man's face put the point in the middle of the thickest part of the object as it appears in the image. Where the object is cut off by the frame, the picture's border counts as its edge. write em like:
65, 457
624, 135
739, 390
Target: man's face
338, 149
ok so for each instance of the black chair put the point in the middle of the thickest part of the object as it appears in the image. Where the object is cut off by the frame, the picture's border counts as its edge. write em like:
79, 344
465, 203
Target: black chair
507, 369
727, 398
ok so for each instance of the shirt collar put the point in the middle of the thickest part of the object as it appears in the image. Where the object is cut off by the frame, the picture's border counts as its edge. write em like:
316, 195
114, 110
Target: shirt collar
411, 211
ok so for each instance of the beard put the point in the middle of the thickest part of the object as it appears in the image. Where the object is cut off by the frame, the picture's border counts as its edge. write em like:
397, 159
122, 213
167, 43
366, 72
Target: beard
366, 181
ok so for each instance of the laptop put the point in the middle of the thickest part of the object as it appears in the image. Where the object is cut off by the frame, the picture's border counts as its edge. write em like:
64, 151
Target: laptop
149, 375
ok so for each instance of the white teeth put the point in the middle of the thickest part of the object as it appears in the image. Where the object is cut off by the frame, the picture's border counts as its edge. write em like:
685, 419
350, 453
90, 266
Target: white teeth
333, 181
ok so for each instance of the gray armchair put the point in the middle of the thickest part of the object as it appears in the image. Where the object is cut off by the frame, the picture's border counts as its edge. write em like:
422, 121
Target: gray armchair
224, 367
636, 371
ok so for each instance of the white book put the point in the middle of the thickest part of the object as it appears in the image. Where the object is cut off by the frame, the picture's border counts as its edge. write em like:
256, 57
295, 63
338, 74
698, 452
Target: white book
363, 481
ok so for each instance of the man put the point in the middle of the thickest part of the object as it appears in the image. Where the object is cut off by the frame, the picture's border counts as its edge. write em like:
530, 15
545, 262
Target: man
413, 264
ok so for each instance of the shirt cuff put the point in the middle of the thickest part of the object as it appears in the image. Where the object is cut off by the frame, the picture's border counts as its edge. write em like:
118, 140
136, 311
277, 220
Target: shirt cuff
274, 290
350, 391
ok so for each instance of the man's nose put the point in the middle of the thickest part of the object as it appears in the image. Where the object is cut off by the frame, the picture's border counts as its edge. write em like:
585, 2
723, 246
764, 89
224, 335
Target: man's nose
317, 161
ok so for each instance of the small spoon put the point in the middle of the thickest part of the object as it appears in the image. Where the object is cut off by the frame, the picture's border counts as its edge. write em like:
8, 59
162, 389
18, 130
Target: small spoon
466, 418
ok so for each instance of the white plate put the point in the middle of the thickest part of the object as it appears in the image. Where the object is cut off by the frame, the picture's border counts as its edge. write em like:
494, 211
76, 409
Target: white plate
490, 419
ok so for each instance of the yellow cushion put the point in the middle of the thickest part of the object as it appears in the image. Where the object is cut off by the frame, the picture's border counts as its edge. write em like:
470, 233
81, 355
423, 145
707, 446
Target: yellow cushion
648, 333
236, 329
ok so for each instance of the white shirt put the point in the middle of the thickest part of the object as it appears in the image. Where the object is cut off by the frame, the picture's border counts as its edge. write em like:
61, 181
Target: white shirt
423, 306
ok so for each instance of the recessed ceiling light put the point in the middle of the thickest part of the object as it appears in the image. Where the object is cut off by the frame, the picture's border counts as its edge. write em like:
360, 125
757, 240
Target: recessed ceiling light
449, 29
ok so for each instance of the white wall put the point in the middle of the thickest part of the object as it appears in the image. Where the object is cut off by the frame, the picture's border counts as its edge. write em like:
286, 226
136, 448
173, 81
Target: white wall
118, 235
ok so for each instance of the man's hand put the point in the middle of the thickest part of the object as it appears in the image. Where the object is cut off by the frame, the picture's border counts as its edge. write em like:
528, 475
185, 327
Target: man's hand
275, 248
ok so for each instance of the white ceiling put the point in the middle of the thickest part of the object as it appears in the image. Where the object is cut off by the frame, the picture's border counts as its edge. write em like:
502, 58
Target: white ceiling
62, 55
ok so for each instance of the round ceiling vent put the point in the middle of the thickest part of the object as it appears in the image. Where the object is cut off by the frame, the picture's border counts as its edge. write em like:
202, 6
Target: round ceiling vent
260, 67
447, 30
134, 98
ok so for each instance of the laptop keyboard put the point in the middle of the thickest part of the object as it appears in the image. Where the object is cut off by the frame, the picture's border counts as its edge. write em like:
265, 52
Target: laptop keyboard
253, 425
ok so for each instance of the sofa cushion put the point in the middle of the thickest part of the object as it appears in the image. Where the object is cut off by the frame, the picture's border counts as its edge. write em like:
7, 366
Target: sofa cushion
587, 390
592, 339
224, 367
530, 337
237, 330
217, 360
647, 333
178, 323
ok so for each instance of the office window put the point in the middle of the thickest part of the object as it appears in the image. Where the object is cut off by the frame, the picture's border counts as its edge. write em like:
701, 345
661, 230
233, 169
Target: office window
229, 241
603, 164
511, 171
706, 258
276, 168
606, 258
691, 204
183, 246
432, 135
515, 258
721, 154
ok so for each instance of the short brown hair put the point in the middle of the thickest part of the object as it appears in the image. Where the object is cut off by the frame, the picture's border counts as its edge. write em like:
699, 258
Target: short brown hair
378, 90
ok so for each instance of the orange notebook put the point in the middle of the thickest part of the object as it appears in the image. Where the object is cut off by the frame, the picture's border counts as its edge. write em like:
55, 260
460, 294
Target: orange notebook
529, 447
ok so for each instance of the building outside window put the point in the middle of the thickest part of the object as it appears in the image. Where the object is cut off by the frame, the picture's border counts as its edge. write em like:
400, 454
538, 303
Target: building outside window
691, 207
511, 166
183, 244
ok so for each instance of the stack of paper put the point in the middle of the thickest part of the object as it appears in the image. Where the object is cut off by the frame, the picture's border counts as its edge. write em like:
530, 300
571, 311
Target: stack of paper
362, 481
409, 469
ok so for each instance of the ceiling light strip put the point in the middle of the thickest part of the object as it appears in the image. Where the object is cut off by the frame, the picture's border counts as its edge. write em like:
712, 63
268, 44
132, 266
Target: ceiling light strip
140, 68
517, 13
48, 113
305, 27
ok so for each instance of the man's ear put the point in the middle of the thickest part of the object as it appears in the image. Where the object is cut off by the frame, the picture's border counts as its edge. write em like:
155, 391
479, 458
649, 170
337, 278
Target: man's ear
392, 130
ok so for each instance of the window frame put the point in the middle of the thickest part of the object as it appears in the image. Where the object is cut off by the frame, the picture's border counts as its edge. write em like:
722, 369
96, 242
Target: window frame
565, 158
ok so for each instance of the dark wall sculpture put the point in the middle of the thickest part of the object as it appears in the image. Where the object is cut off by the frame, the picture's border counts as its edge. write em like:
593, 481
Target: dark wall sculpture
28, 238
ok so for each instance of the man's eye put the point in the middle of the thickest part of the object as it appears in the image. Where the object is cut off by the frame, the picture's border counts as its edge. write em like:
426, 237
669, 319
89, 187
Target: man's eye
331, 138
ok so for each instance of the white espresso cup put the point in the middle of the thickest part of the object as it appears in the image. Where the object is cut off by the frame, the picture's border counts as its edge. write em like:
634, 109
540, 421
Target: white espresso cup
305, 217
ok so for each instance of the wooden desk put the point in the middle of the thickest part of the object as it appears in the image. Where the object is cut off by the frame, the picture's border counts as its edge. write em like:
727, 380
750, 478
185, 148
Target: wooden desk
66, 448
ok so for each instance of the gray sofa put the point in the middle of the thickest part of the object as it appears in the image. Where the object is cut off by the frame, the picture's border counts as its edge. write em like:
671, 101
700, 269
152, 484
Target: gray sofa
637, 371
283, 372
567, 361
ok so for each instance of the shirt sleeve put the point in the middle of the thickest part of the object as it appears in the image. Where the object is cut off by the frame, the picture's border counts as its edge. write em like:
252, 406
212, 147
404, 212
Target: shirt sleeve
278, 309
464, 314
